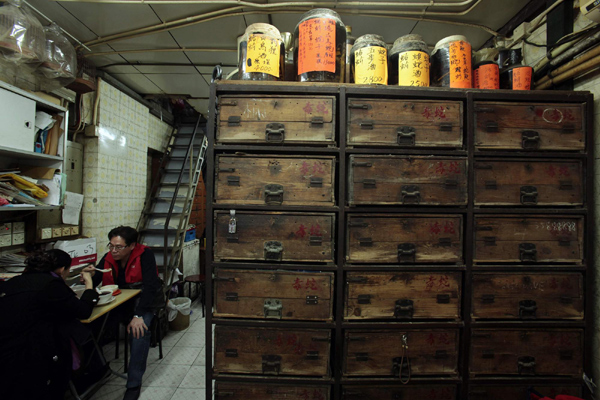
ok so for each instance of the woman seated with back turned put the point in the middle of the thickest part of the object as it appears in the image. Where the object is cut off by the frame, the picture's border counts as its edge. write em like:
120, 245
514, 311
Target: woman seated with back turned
38, 312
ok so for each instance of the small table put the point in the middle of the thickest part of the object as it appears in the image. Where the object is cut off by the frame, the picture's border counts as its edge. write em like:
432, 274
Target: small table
104, 311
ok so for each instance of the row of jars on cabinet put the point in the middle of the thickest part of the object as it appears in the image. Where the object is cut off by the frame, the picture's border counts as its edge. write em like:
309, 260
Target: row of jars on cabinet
321, 52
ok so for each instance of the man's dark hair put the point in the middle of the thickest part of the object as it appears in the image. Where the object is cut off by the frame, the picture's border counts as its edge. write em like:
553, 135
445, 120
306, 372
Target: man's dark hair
47, 261
129, 234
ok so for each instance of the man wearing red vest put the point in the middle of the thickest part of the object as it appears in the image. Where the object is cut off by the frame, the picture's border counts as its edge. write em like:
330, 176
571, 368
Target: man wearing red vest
133, 266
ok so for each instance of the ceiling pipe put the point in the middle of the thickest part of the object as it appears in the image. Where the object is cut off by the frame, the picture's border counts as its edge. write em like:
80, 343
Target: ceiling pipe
108, 53
236, 11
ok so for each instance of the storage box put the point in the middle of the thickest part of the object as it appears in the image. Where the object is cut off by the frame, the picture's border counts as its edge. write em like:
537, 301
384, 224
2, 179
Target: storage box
190, 235
83, 251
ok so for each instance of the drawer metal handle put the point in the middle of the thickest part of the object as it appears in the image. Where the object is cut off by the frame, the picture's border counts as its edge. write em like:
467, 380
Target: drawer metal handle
406, 252
233, 180
530, 140
446, 127
273, 308
443, 299
273, 250
367, 124
404, 308
527, 252
488, 298
529, 195
359, 106
317, 122
231, 353
411, 194
364, 299
273, 194
401, 367
271, 364
492, 127
527, 309
275, 133
406, 136
526, 365
362, 356
234, 120
369, 184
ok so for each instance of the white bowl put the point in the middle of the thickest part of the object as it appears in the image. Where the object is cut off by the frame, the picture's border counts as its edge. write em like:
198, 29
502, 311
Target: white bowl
112, 288
78, 289
105, 296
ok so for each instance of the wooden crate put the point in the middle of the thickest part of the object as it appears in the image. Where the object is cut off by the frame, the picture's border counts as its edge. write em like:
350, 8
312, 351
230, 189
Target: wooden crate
527, 126
275, 237
528, 183
541, 239
527, 296
406, 239
380, 353
275, 180
271, 351
391, 180
292, 120
408, 392
515, 391
527, 352
257, 391
402, 295
280, 295
405, 123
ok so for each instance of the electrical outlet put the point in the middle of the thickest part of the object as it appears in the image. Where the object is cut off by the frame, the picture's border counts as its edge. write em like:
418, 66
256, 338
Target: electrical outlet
45, 233
66, 231
56, 232
18, 238
75, 230
5, 228
5, 240
18, 227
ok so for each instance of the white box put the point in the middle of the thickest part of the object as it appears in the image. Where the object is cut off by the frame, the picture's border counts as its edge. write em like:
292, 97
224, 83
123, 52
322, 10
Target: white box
83, 251
6, 228
18, 238
18, 227
5, 240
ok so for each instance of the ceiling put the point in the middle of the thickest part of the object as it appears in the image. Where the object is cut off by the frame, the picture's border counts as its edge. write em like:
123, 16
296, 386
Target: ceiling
153, 60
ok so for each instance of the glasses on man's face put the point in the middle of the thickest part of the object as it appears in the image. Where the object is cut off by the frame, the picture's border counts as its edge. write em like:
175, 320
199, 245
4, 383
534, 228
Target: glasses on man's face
112, 247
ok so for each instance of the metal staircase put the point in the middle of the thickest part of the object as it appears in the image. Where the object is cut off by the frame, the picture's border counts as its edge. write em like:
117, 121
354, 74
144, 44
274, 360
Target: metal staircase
163, 223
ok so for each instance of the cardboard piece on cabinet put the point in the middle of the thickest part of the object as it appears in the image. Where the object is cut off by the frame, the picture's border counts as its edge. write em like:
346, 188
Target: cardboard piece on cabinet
72, 210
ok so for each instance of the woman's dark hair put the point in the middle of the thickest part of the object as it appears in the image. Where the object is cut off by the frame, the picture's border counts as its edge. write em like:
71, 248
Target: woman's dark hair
46, 261
129, 234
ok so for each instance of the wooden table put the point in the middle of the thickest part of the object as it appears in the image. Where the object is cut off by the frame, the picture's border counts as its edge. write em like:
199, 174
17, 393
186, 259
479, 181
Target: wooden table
99, 311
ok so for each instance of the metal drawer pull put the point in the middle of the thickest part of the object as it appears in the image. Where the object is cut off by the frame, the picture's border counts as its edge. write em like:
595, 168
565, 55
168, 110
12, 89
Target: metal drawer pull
312, 300
359, 106
231, 353
273, 194
404, 308
362, 356
231, 296
271, 364
273, 250
411, 194
232, 103
369, 184
233, 181
488, 298
527, 252
315, 182
529, 195
527, 309
317, 122
443, 298
273, 308
366, 124
275, 133
312, 355
530, 140
492, 127
401, 367
235, 120
446, 127
406, 136
364, 299
526, 365
406, 252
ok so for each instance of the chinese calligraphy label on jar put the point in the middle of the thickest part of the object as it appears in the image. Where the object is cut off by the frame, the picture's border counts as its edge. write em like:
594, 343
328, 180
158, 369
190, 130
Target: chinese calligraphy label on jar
413, 69
263, 55
488, 76
370, 65
521, 78
460, 64
316, 49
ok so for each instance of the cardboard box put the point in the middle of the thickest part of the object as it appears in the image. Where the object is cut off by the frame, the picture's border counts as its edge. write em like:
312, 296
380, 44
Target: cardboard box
37, 172
83, 251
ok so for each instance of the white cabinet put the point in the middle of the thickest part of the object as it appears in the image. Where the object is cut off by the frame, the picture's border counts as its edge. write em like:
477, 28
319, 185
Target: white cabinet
17, 121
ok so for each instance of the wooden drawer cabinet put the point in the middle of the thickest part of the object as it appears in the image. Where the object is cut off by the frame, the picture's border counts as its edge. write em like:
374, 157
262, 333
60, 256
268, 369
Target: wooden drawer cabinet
516, 391
528, 126
527, 296
380, 353
287, 120
528, 183
274, 236
405, 239
271, 351
402, 295
275, 180
405, 123
527, 352
255, 391
417, 392
278, 295
392, 180
541, 239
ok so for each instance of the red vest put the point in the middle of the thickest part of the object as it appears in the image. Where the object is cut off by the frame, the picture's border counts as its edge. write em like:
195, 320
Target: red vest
133, 270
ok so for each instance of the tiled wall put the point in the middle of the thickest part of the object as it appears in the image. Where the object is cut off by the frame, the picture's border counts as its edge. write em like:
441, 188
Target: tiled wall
115, 163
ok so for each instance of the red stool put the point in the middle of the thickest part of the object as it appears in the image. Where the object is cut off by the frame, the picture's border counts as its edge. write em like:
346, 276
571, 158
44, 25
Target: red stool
197, 280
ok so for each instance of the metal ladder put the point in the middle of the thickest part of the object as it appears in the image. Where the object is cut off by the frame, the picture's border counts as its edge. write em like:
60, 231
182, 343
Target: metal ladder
163, 223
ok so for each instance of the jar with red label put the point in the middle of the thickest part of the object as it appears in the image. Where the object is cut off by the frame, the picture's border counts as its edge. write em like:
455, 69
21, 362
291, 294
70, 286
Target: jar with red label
262, 54
320, 47
451, 63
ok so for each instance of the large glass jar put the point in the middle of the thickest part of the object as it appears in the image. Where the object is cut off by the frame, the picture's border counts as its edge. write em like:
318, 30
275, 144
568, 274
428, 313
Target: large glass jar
451, 63
368, 61
409, 62
262, 54
320, 47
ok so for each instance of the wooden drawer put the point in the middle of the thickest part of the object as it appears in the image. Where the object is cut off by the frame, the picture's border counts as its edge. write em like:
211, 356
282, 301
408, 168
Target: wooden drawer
270, 351
405, 123
527, 352
527, 126
402, 295
400, 238
275, 236
275, 180
286, 295
380, 353
408, 392
541, 238
527, 296
529, 183
517, 392
407, 180
257, 391
278, 120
